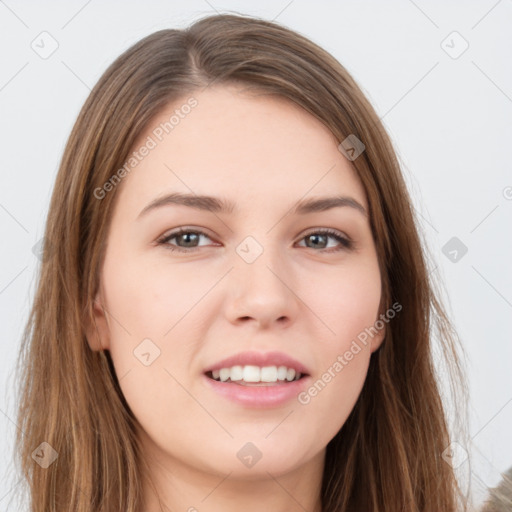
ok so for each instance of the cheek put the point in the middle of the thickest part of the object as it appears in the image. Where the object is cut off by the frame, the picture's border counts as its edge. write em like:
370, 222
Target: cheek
327, 403
153, 314
147, 315
149, 300
347, 305
346, 301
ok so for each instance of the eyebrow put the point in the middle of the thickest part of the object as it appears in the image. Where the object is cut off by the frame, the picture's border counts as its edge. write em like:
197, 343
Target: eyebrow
219, 205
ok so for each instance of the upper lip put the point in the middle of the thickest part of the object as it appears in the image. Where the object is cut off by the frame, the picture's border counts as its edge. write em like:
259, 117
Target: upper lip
260, 359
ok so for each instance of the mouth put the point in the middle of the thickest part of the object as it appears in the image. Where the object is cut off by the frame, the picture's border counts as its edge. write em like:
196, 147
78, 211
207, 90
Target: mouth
258, 379
252, 375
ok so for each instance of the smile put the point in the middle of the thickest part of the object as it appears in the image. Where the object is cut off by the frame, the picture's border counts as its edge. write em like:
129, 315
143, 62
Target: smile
254, 375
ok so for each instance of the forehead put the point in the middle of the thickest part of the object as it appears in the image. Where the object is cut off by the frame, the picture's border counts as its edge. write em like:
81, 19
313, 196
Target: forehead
250, 148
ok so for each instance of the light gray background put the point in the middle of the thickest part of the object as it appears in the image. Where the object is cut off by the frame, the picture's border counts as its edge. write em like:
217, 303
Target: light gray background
450, 120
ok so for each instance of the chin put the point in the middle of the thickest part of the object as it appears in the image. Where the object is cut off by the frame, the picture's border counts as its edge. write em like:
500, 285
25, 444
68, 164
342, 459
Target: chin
256, 460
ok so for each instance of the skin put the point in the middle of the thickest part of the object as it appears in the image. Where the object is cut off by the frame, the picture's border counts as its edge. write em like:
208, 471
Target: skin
265, 154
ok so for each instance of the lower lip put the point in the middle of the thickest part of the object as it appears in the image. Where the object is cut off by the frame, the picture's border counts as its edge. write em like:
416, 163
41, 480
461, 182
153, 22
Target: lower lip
259, 396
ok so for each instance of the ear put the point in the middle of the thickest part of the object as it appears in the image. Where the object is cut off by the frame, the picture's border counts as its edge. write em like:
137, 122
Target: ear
97, 329
377, 339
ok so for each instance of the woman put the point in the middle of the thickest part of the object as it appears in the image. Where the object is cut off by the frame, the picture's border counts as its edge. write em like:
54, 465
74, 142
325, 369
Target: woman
285, 363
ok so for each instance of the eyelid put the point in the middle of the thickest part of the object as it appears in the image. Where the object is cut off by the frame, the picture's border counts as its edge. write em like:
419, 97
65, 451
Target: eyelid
169, 235
331, 231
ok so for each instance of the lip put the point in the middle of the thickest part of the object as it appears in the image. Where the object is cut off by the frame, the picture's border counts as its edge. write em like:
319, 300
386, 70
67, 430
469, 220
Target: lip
262, 396
260, 359
269, 396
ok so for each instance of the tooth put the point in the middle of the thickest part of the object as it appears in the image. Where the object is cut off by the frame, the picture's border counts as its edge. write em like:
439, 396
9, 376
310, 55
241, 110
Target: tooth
290, 374
281, 373
237, 373
269, 374
251, 373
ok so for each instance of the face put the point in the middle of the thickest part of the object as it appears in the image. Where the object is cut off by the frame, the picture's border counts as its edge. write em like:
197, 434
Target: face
261, 288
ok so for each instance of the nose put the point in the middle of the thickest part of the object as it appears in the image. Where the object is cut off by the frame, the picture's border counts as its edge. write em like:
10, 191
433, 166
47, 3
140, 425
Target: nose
262, 292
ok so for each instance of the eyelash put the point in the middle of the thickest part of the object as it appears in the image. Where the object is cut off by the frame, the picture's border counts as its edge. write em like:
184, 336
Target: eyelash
346, 244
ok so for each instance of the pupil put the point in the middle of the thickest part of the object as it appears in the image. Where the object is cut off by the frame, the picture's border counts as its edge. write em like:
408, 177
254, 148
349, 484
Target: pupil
189, 235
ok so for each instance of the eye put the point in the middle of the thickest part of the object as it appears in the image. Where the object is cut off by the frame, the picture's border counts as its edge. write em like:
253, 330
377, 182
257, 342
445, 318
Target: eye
187, 240
186, 236
319, 238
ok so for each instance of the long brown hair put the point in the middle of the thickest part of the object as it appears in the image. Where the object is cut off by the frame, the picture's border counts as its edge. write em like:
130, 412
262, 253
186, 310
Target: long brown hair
388, 456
